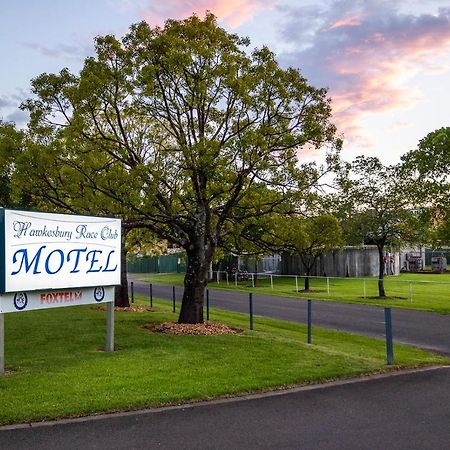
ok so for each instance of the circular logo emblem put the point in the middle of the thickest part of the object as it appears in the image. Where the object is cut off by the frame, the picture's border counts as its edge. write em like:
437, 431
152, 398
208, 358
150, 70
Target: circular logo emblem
99, 294
20, 300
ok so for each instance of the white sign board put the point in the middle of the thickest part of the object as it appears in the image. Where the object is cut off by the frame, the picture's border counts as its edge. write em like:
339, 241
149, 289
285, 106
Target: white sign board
52, 251
27, 301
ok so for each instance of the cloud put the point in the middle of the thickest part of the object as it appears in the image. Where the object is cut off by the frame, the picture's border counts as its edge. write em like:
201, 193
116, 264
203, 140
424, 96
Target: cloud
367, 53
232, 12
6, 102
19, 117
66, 51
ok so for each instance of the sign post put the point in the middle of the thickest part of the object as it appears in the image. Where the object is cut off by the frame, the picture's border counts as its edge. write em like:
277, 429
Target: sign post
109, 345
56, 260
2, 343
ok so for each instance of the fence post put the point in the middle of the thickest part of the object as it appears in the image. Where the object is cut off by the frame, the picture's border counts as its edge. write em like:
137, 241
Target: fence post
253, 280
328, 285
151, 295
217, 277
364, 288
132, 292
389, 344
271, 281
226, 274
235, 278
250, 307
173, 298
410, 292
207, 304
296, 284
309, 320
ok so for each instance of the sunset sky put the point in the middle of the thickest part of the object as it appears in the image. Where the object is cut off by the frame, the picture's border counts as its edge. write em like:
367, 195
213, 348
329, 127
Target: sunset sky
386, 63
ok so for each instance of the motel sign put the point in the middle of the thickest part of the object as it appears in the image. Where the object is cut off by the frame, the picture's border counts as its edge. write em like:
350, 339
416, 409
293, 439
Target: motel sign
56, 260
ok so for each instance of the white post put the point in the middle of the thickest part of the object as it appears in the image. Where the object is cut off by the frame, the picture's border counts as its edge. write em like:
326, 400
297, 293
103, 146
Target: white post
328, 285
253, 280
211, 273
271, 281
296, 284
2, 343
364, 287
226, 274
235, 278
109, 344
217, 277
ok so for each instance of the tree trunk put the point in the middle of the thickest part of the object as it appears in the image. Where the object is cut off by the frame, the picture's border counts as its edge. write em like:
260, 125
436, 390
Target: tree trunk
198, 264
307, 280
121, 298
381, 291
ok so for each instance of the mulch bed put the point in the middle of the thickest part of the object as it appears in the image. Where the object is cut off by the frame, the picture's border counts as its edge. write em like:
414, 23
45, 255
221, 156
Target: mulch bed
199, 329
132, 308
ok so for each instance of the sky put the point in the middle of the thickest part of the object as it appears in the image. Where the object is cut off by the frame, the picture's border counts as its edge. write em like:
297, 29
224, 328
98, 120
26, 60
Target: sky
386, 64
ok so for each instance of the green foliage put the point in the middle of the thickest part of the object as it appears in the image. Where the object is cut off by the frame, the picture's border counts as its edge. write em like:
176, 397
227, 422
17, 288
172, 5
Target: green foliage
11, 146
429, 167
378, 204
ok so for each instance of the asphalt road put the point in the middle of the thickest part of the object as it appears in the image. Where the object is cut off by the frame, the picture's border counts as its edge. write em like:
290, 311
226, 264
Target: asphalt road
401, 412
421, 329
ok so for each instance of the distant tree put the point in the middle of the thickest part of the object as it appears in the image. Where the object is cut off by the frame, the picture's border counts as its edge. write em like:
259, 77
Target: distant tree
428, 166
11, 146
310, 238
174, 126
379, 208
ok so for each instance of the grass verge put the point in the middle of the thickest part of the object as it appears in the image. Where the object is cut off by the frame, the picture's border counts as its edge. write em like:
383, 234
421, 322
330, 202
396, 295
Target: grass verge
57, 367
423, 292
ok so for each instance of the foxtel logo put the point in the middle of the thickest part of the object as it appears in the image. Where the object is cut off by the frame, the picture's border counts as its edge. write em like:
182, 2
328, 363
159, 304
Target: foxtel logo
60, 297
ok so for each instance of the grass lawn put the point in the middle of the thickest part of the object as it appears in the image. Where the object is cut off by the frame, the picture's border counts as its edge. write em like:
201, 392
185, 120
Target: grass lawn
421, 291
56, 366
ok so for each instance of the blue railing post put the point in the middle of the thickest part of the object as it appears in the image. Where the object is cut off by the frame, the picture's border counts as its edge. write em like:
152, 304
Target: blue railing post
250, 307
309, 320
173, 297
389, 343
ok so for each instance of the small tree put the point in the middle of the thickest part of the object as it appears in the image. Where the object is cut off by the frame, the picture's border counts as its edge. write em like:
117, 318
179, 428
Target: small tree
310, 238
379, 209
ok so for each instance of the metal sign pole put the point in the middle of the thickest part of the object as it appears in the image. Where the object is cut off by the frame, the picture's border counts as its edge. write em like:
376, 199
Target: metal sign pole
109, 345
2, 343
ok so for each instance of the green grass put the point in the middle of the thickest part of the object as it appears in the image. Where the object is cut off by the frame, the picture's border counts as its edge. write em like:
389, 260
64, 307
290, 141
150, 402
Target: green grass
424, 291
56, 366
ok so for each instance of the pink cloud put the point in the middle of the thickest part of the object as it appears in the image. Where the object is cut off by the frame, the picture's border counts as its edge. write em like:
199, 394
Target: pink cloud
369, 54
232, 12
352, 21
375, 73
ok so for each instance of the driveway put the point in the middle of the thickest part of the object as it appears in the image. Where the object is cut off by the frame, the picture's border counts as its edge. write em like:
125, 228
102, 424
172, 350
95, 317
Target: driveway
397, 412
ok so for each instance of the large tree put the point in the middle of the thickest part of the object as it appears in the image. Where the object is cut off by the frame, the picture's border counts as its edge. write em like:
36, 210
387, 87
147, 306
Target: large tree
178, 125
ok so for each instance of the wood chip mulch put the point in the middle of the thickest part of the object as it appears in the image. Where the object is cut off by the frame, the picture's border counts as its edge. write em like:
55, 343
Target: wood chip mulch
133, 308
199, 329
